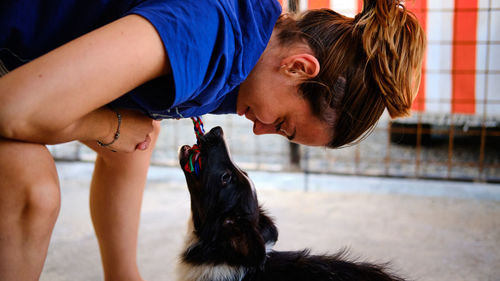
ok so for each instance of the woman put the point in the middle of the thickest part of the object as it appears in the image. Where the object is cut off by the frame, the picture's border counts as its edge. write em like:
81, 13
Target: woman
319, 79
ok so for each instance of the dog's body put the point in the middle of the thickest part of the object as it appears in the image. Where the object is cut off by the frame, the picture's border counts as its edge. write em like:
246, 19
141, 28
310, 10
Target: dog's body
231, 238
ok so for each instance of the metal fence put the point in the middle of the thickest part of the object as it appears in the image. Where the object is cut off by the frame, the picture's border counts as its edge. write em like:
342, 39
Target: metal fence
454, 132
419, 151
416, 151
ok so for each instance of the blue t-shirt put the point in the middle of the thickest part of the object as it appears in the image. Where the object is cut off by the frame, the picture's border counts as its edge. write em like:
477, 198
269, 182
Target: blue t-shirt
212, 45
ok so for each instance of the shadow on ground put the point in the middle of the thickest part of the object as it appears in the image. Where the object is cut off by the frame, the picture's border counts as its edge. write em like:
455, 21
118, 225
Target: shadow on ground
429, 230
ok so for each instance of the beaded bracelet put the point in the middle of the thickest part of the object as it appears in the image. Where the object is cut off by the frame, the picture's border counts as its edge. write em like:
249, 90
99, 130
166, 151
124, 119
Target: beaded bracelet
117, 134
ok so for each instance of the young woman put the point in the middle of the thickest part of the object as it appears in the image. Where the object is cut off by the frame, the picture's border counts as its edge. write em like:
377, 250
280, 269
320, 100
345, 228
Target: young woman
101, 72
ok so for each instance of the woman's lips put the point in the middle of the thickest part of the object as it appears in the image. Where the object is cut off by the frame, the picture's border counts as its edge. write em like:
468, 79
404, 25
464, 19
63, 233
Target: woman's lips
244, 112
250, 115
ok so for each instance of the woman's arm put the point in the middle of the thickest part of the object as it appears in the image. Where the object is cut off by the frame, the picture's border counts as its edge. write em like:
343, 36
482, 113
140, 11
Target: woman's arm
101, 124
57, 91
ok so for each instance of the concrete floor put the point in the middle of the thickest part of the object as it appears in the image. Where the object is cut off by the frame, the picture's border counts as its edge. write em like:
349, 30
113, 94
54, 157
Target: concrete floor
428, 230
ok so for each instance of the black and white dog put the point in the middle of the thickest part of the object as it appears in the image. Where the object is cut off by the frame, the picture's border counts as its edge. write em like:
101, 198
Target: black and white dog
231, 238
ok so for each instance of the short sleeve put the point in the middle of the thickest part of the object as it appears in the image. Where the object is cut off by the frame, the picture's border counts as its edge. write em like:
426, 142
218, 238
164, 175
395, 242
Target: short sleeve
212, 45
196, 40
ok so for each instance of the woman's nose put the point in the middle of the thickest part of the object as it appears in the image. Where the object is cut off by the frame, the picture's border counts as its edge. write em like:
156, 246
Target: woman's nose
260, 128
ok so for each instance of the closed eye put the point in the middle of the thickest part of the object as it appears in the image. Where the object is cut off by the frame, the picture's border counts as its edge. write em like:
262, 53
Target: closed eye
278, 126
284, 132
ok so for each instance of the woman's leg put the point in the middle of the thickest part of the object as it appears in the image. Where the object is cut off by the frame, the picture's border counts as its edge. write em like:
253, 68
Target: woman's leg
115, 204
29, 205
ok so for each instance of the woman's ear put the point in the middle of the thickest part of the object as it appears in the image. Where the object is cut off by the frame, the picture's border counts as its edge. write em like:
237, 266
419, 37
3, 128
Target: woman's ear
302, 66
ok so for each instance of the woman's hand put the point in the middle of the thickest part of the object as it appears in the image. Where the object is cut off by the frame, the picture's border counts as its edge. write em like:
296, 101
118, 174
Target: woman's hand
102, 125
134, 132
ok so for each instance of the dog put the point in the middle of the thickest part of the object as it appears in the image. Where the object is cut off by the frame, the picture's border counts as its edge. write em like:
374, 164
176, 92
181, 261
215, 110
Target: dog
230, 237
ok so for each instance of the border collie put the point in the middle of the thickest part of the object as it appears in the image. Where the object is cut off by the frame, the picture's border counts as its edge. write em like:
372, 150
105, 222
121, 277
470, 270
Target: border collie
231, 238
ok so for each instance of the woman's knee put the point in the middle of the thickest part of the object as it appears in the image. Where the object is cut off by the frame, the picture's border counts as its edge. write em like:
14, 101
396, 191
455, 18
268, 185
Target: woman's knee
29, 186
42, 201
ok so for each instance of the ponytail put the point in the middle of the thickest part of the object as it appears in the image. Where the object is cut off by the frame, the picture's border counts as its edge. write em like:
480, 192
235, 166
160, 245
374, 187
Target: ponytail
368, 63
394, 45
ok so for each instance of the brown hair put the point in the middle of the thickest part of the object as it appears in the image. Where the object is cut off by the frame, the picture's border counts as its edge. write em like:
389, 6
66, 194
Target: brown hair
367, 63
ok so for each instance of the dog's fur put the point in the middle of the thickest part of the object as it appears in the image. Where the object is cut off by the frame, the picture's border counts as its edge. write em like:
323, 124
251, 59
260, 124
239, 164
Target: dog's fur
230, 237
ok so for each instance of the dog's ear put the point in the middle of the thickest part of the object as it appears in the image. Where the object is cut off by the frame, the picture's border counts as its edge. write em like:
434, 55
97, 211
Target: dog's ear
247, 245
267, 228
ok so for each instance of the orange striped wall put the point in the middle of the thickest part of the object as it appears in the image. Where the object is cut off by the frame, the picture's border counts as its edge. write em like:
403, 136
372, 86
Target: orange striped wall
419, 8
464, 56
462, 52
317, 4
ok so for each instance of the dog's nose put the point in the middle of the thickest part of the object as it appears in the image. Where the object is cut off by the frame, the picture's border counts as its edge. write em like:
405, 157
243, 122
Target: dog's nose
217, 131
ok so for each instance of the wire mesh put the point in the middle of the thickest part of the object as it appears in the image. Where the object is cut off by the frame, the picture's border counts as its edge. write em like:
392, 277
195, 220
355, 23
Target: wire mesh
453, 134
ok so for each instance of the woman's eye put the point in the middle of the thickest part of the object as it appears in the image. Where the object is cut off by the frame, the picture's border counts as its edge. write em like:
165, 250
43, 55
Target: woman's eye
225, 178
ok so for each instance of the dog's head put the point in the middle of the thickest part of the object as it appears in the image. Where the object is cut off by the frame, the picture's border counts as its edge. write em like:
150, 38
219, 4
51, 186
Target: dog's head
229, 226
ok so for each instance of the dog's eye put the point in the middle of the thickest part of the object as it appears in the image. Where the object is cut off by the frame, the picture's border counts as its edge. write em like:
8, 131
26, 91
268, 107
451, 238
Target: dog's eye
225, 178
228, 222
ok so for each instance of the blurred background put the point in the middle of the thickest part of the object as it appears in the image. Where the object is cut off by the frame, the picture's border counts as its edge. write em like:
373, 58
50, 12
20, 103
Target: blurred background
421, 192
453, 134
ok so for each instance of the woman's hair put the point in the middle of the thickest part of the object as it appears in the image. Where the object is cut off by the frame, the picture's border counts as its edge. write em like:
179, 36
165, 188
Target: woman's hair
367, 63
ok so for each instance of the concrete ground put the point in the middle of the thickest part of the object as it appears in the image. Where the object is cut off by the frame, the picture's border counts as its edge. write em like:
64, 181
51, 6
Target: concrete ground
428, 230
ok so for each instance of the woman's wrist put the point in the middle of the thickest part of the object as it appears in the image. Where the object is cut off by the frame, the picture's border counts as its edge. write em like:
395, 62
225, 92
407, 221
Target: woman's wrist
116, 135
98, 125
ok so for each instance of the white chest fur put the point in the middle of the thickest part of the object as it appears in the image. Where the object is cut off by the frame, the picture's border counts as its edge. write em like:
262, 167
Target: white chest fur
220, 272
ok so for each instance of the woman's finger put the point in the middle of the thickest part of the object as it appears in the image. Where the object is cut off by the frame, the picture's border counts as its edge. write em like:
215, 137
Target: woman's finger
145, 144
